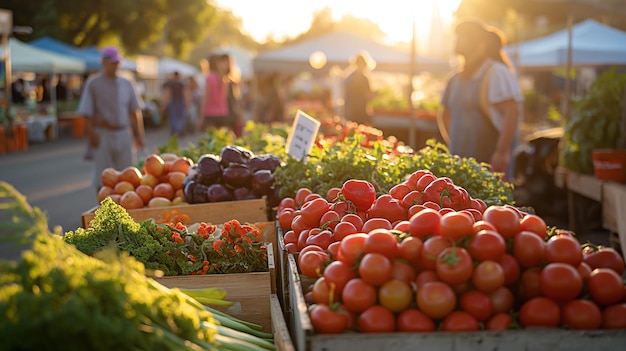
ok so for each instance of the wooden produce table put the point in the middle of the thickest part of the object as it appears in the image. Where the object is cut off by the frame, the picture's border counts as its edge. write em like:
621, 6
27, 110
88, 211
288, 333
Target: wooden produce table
611, 196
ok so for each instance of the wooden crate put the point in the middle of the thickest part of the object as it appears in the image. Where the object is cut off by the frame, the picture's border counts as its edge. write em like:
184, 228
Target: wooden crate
216, 212
553, 339
282, 339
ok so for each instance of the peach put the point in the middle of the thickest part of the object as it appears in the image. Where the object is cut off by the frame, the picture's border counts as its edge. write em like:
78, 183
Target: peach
169, 157
149, 180
159, 202
154, 164
178, 200
110, 176
144, 192
123, 187
163, 190
182, 164
131, 200
116, 198
104, 192
179, 193
176, 179
132, 175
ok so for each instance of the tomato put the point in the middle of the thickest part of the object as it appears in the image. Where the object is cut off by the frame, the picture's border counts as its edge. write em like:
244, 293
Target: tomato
382, 241
291, 247
454, 265
415, 209
311, 197
332, 194
414, 177
399, 191
581, 314
446, 210
478, 304
499, 321
302, 237
505, 219
584, 270
395, 295
431, 249
298, 224
487, 245
312, 263
412, 320
429, 204
478, 204
322, 238
424, 277
488, 276
389, 208
333, 249
310, 248
529, 284
564, 248
313, 211
301, 194
375, 268
540, 311
460, 289
400, 270
535, 224
328, 321
512, 270
343, 207
410, 249
603, 257
529, 249
351, 247
482, 225
605, 286
614, 317
330, 219
290, 237
560, 281
376, 223
285, 203
357, 295
360, 192
343, 229
424, 181
476, 214
354, 219
337, 274
285, 217
436, 299
323, 292
502, 299
376, 319
456, 225
402, 226
425, 223
414, 197
459, 321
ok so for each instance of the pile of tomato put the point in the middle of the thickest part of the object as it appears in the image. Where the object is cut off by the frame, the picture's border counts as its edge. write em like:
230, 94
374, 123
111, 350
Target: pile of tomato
428, 257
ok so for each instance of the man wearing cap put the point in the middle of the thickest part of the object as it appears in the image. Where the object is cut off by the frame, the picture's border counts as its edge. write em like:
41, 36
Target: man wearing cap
112, 111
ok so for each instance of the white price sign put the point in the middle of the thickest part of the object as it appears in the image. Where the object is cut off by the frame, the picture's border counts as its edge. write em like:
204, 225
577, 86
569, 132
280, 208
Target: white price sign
302, 137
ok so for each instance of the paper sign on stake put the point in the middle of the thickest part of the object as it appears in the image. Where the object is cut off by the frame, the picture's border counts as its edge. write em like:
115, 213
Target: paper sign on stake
302, 137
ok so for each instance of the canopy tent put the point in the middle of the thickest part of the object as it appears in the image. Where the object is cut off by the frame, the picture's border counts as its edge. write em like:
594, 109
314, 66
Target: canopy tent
339, 48
168, 66
27, 58
90, 55
242, 59
593, 44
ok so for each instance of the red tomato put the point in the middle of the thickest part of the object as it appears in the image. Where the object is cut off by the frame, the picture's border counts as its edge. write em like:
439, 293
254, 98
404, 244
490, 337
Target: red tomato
376, 223
560, 281
584, 270
431, 249
505, 219
581, 314
478, 204
614, 317
529, 284
382, 241
330, 219
287, 202
358, 296
403, 271
337, 274
487, 245
540, 312
499, 321
326, 320
313, 211
302, 237
291, 247
354, 219
433, 205
414, 197
298, 224
322, 238
459, 321
436, 299
333, 249
375, 268
412, 180
312, 263
343, 229
311, 197
285, 217
512, 270
360, 192
425, 223
529, 249
376, 319
323, 292
456, 226
478, 304
424, 277
301, 194
603, 257
402, 226
389, 208
454, 265
332, 194
395, 295
310, 248
482, 225
502, 300
476, 214
412, 320
410, 249
446, 210
415, 209
535, 224
564, 248
424, 181
605, 286
290, 237
488, 276
351, 247
399, 191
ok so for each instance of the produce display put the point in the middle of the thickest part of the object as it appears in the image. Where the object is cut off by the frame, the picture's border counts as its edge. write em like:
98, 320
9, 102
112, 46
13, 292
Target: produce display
232, 247
57, 297
434, 258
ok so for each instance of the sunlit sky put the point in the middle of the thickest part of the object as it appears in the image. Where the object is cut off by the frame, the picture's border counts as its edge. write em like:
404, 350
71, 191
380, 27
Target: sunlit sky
291, 17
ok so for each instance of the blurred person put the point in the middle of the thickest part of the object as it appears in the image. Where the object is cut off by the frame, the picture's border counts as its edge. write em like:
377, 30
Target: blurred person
214, 102
113, 118
357, 90
19, 91
192, 112
270, 107
175, 101
235, 110
480, 110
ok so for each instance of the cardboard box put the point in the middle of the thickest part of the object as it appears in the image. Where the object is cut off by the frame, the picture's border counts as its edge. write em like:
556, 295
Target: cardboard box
215, 212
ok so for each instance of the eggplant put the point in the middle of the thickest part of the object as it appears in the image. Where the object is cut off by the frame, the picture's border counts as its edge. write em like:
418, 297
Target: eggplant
218, 193
273, 197
243, 194
237, 175
262, 181
209, 170
188, 188
235, 154
269, 162
199, 195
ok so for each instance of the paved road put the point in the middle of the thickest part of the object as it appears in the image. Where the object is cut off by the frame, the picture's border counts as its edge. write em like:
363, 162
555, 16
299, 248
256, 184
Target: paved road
54, 177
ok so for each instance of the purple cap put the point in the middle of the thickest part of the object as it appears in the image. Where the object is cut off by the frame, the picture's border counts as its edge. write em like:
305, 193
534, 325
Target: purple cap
111, 53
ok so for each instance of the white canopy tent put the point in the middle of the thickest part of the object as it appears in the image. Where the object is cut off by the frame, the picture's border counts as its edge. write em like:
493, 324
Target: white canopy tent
593, 44
27, 58
168, 66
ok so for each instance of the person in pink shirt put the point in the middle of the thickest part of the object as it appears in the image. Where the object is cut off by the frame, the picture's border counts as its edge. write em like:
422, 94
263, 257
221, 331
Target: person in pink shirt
214, 104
